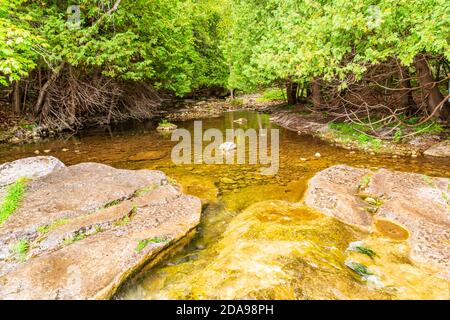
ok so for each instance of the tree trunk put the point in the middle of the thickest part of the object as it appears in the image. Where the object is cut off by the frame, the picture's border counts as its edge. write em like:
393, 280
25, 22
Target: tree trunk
43, 90
291, 92
430, 89
317, 97
406, 98
16, 98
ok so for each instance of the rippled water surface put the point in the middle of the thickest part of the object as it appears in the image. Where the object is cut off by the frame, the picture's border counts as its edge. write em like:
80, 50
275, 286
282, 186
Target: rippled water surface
256, 239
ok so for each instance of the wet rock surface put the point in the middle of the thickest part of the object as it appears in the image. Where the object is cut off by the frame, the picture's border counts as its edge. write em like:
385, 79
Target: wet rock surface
281, 250
399, 206
441, 149
89, 227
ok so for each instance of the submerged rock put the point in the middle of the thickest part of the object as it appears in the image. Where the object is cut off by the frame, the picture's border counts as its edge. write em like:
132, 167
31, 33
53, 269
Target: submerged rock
31, 168
149, 155
411, 207
227, 146
167, 127
240, 121
441, 149
88, 228
280, 250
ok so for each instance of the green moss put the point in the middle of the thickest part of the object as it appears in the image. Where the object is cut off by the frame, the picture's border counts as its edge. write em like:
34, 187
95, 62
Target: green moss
127, 218
113, 203
367, 251
14, 195
77, 236
21, 247
359, 268
430, 127
357, 133
446, 199
428, 181
145, 190
365, 181
98, 229
144, 243
55, 224
273, 94
397, 136
165, 123
172, 181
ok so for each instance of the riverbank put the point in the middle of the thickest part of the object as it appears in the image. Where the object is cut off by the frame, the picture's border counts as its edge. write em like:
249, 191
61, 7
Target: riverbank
430, 139
433, 141
342, 135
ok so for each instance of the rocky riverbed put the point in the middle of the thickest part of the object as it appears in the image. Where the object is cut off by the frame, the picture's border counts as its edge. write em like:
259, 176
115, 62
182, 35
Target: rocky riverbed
349, 238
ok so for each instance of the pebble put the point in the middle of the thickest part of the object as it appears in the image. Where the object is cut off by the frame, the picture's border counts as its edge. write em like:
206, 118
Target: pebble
317, 155
227, 180
200, 246
64, 150
36, 152
47, 151
303, 159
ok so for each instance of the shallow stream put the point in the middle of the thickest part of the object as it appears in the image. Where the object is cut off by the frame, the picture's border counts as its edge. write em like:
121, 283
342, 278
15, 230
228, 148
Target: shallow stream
256, 239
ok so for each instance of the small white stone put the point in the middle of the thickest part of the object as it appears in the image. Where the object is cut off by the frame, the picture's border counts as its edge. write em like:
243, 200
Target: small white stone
227, 146
317, 155
353, 245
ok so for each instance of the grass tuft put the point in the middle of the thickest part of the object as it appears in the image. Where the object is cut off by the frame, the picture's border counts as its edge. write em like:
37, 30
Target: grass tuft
52, 226
20, 249
356, 132
272, 95
144, 243
14, 195
113, 203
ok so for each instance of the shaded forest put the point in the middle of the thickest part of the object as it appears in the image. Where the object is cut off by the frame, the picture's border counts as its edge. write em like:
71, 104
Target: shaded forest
68, 64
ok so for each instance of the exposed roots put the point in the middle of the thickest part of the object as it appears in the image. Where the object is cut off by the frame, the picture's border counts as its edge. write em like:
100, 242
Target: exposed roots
387, 95
73, 101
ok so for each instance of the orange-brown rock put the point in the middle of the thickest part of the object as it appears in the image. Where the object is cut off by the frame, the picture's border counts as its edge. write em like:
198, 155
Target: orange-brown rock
403, 207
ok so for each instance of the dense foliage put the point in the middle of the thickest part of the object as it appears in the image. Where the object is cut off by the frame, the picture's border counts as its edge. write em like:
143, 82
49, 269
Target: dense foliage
332, 45
329, 48
174, 43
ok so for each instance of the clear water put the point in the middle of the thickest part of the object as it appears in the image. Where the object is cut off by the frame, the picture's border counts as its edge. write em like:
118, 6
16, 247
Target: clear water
256, 239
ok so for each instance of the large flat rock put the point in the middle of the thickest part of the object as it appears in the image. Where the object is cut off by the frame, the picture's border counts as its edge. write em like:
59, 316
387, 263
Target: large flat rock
401, 206
90, 227
31, 168
441, 149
